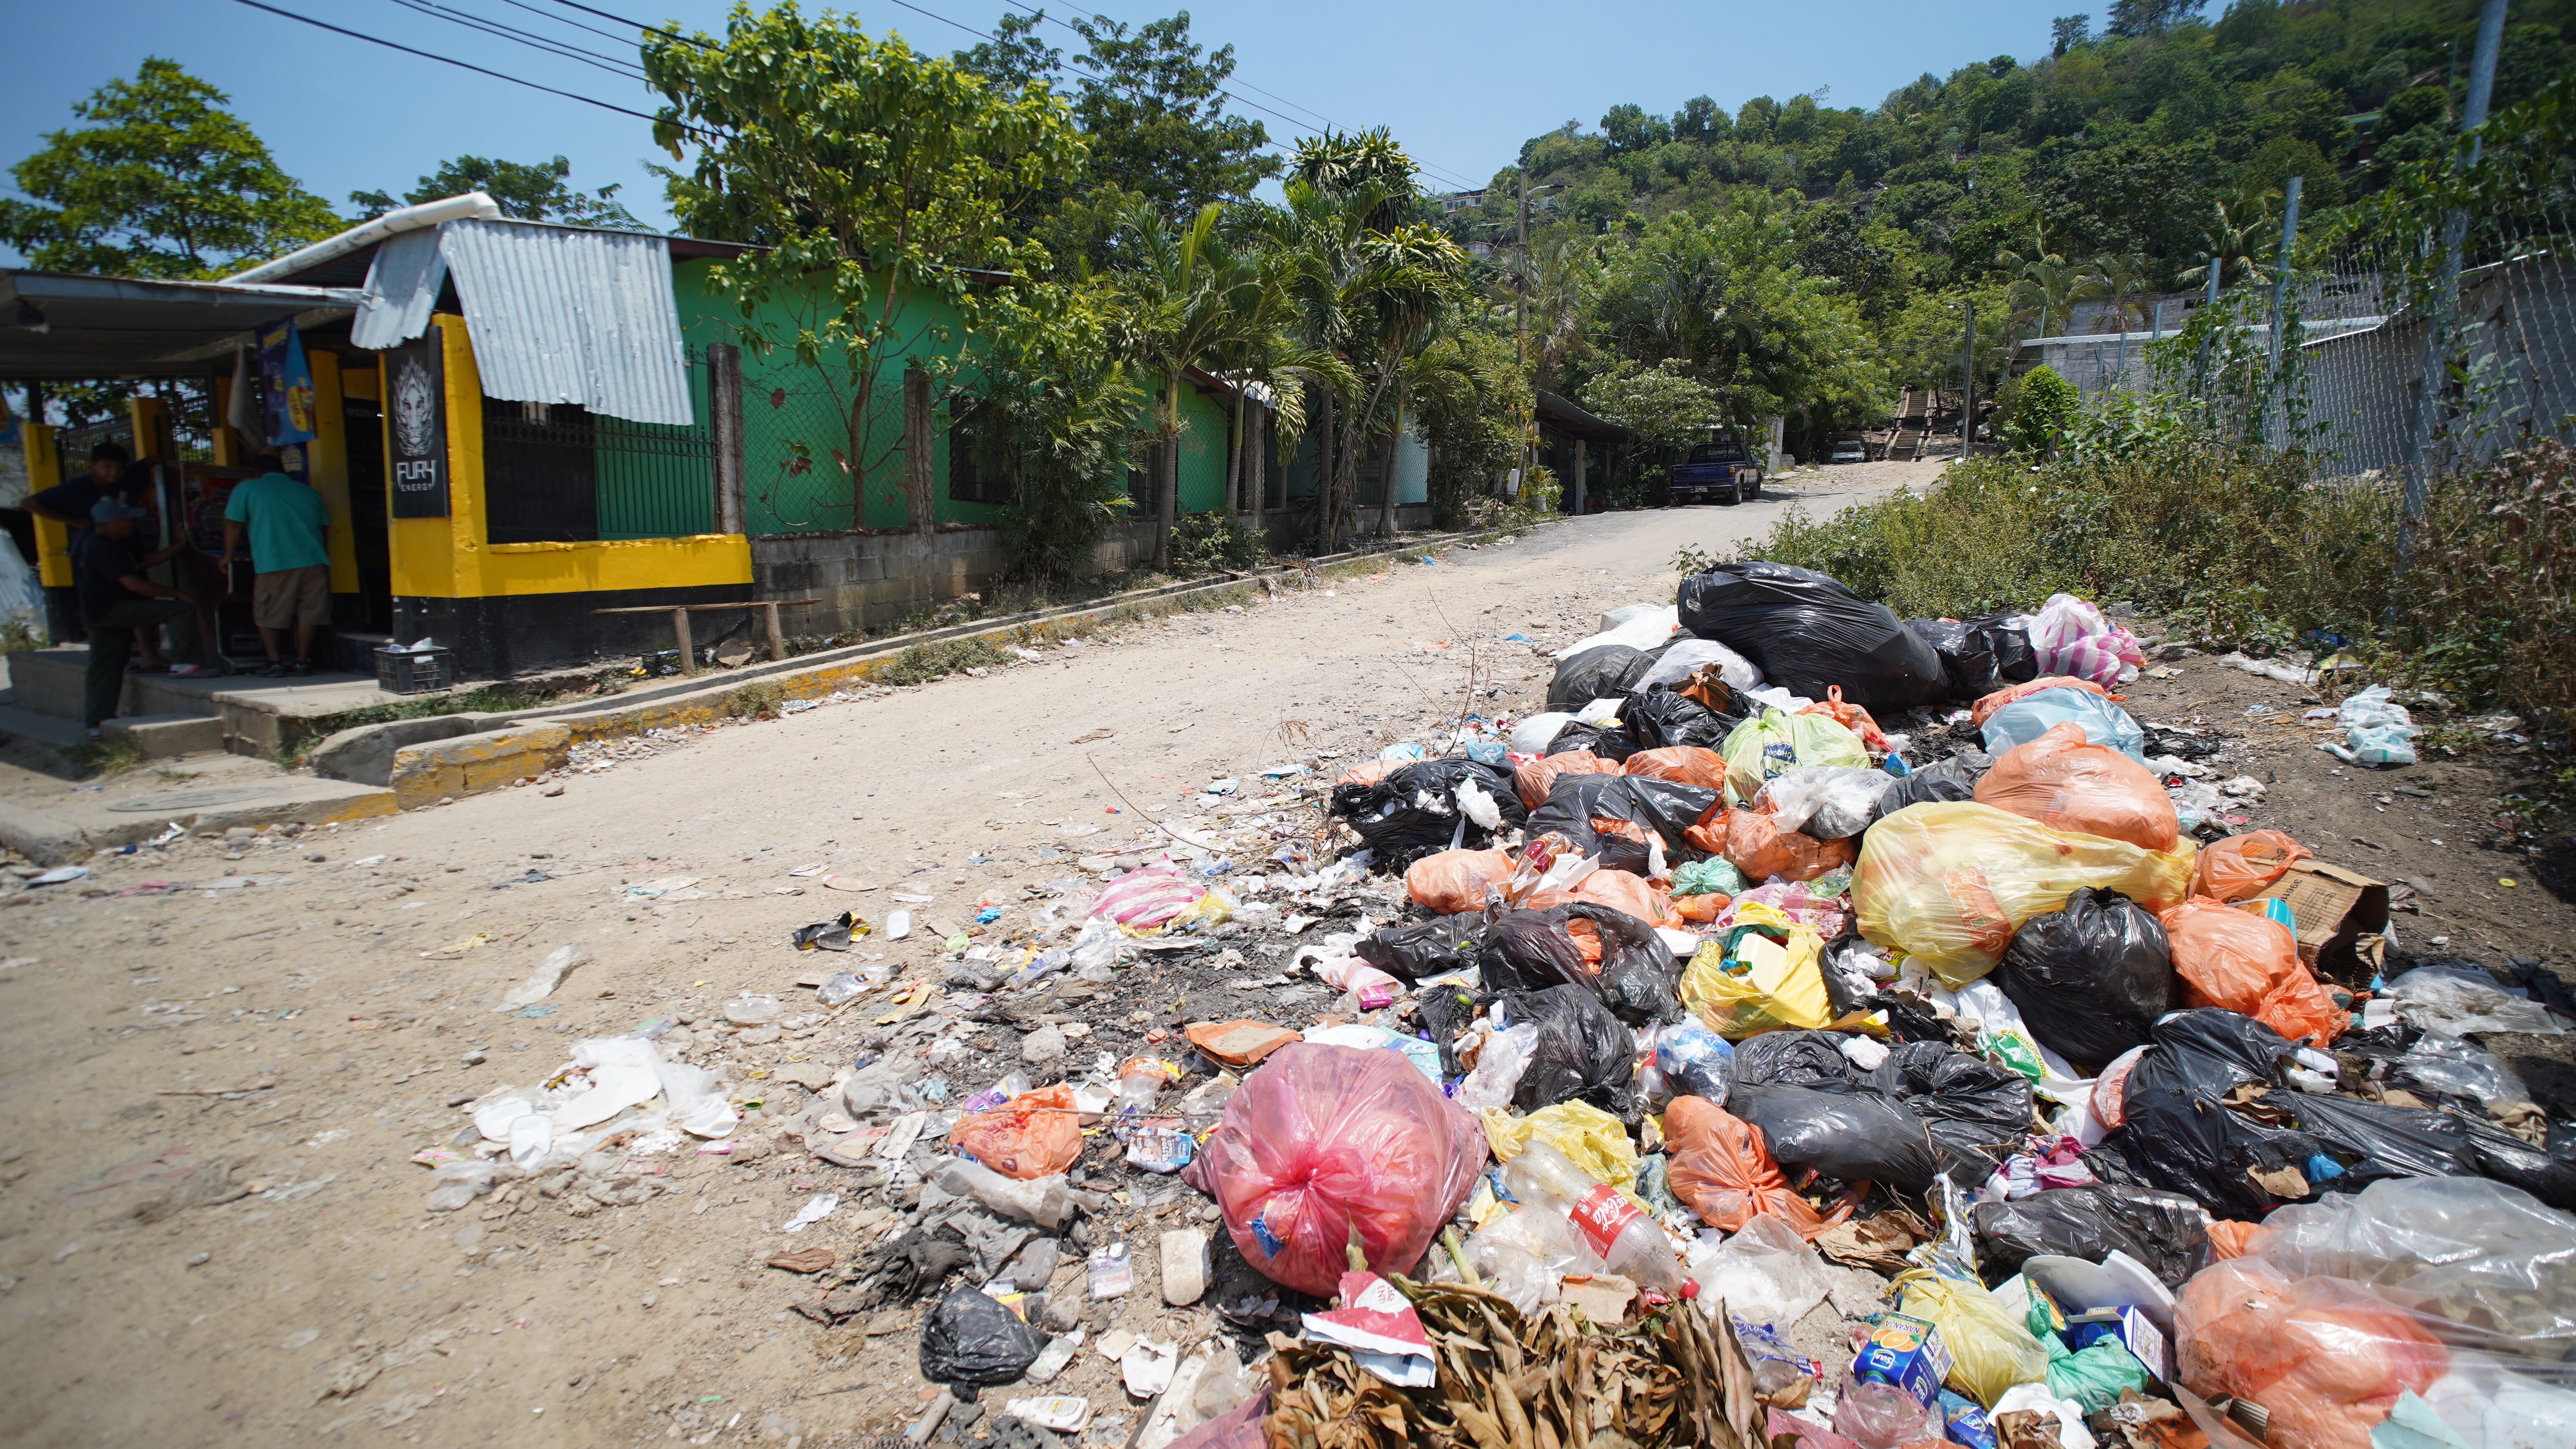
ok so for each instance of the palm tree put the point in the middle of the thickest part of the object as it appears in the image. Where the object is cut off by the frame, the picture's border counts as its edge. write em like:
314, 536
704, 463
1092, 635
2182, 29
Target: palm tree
1181, 295
2232, 240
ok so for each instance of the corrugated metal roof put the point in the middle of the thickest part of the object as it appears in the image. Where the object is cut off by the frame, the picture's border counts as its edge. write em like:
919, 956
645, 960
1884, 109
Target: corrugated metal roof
402, 286
568, 316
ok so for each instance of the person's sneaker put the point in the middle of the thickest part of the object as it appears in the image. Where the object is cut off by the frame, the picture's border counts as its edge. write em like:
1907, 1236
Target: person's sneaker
300, 668
272, 670
197, 671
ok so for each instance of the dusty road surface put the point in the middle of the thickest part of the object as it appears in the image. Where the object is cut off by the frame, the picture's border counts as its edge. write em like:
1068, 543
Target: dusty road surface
223, 1057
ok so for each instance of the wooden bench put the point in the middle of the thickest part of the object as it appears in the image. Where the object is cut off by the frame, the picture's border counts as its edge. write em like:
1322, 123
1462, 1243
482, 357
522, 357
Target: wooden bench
680, 624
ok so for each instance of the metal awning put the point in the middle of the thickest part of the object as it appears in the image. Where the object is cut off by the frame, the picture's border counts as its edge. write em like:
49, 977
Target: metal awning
59, 327
1563, 415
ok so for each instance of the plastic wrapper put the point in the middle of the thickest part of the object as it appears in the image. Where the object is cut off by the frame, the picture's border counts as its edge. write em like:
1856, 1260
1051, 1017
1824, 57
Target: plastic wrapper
1976, 1112
1580, 1054
1589, 1138
1500, 1062
1035, 1134
2167, 1232
1775, 742
1980, 655
1990, 1351
1951, 779
973, 1340
1682, 764
2064, 781
1533, 780
2033, 715
1794, 1059
1825, 802
1149, 896
1322, 1140
1416, 810
1604, 671
2325, 1359
1759, 846
1455, 880
1427, 948
2456, 998
1721, 1167
1628, 966
2069, 636
1948, 883
1659, 719
1806, 633
1782, 985
2090, 977
1764, 1273
1853, 1136
2487, 1260
2241, 867
2249, 964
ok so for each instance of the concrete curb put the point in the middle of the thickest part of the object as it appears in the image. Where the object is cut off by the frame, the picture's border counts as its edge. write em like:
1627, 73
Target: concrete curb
51, 838
423, 774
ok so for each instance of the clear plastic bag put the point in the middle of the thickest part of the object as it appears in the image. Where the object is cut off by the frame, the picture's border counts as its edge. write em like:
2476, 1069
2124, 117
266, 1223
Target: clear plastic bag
2456, 998
2324, 1358
1683, 658
1499, 1065
1949, 882
1765, 1273
2376, 730
1826, 802
2452, 1066
1775, 742
2027, 718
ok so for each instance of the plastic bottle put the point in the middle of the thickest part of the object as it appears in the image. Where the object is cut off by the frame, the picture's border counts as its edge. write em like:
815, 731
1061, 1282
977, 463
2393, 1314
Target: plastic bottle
1608, 1220
1049, 1202
1140, 1081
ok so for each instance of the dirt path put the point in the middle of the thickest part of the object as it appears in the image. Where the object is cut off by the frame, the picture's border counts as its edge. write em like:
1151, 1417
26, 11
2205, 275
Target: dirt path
149, 1299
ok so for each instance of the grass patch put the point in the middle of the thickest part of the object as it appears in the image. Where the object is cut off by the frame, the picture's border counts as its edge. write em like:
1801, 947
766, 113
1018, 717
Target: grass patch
754, 700
103, 757
923, 663
504, 698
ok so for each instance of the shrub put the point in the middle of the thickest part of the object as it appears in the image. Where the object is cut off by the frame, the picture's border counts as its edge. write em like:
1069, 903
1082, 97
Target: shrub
1207, 543
923, 663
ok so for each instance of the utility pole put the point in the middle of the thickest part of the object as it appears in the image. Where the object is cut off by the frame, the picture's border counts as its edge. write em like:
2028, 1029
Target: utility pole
1968, 385
2446, 291
2274, 344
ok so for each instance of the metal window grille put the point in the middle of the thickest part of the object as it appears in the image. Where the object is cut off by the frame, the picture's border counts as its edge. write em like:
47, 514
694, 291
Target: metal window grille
562, 473
970, 480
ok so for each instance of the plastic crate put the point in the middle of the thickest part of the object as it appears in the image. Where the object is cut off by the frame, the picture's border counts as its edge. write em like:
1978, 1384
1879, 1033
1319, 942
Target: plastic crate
418, 671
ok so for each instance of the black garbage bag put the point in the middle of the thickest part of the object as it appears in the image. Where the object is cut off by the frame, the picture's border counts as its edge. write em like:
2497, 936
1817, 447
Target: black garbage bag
1414, 811
1582, 1053
1536, 950
2167, 1232
2255, 1052
1659, 719
1978, 1113
1605, 671
2547, 1173
1853, 1136
1952, 779
1794, 1058
1980, 655
2381, 1139
1427, 948
1665, 807
971, 1339
1610, 742
1446, 1011
2177, 1133
1569, 810
2090, 977
1807, 633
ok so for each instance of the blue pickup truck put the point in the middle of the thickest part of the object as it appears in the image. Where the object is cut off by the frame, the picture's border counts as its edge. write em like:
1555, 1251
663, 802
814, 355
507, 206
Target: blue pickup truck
1717, 472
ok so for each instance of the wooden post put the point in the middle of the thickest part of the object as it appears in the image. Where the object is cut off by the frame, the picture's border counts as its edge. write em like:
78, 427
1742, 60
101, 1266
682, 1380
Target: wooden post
777, 643
724, 405
1581, 458
680, 633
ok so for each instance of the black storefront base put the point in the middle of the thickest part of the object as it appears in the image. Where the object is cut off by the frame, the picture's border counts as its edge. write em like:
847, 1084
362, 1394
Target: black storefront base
514, 634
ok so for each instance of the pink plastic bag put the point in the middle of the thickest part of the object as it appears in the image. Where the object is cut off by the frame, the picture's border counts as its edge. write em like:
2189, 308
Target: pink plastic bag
1148, 896
1322, 1138
2071, 637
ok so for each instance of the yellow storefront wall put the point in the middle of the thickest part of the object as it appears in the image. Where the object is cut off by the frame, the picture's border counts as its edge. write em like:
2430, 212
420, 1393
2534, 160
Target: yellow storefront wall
451, 557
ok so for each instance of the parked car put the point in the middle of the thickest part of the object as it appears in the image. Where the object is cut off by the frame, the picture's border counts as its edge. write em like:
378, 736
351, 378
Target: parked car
1849, 452
1719, 471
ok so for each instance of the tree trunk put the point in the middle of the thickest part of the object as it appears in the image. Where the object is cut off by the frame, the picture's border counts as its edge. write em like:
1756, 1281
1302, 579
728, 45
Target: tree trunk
1386, 477
1166, 456
1327, 450
916, 479
1260, 465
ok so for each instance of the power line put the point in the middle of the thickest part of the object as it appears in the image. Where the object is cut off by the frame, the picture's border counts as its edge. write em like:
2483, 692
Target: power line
623, 70
461, 65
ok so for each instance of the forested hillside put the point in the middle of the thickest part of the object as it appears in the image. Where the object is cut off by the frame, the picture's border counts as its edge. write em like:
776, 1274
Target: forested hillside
1813, 257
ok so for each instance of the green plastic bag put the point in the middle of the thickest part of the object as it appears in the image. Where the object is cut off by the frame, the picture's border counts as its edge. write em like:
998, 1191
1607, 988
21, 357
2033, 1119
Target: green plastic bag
2095, 1377
1712, 876
1775, 742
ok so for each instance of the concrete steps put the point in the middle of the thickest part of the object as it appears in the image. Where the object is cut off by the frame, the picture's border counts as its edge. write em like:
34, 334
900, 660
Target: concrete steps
250, 714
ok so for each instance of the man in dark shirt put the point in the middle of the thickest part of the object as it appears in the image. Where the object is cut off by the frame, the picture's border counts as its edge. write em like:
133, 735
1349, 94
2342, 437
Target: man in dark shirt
118, 604
69, 503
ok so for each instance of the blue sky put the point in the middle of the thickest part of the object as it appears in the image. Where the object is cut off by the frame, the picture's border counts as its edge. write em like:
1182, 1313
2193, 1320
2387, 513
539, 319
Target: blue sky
1461, 84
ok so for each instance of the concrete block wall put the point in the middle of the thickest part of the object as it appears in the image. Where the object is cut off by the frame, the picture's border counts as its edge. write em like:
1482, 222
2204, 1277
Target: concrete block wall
869, 580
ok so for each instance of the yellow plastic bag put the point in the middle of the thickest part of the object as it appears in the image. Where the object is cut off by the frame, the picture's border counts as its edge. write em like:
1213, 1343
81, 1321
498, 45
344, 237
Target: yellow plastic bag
1775, 742
1990, 1351
1591, 1137
1949, 882
1782, 985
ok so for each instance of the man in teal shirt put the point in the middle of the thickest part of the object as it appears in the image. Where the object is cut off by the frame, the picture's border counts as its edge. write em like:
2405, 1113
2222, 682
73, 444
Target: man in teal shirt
291, 568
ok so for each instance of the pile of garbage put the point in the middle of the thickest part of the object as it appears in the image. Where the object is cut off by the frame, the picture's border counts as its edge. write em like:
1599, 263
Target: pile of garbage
1813, 1027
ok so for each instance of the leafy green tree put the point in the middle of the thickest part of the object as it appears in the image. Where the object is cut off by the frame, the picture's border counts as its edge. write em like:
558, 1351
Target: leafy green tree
2042, 406
162, 181
875, 178
1185, 295
527, 191
1468, 397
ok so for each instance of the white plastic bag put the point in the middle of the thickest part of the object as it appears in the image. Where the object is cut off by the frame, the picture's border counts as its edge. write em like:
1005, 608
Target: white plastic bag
1533, 735
1686, 657
2455, 1000
2376, 730
1828, 802
1764, 1274
1498, 1068
548, 976
1644, 629
2488, 1257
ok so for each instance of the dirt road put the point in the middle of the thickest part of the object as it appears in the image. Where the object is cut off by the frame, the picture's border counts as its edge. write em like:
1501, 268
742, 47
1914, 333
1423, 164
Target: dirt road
260, 1267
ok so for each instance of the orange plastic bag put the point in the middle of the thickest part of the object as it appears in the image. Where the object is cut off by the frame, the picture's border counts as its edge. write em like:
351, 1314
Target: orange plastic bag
1753, 842
1618, 890
2324, 1359
1851, 717
2065, 782
1367, 772
1455, 880
2244, 866
1720, 1166
1702, 908
2249, 964
1977, 712
1035, 1134
1536, 778
2228, 1238
1681, 764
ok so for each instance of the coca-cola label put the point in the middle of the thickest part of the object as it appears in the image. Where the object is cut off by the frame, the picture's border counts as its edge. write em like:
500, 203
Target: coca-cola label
1603, 1215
